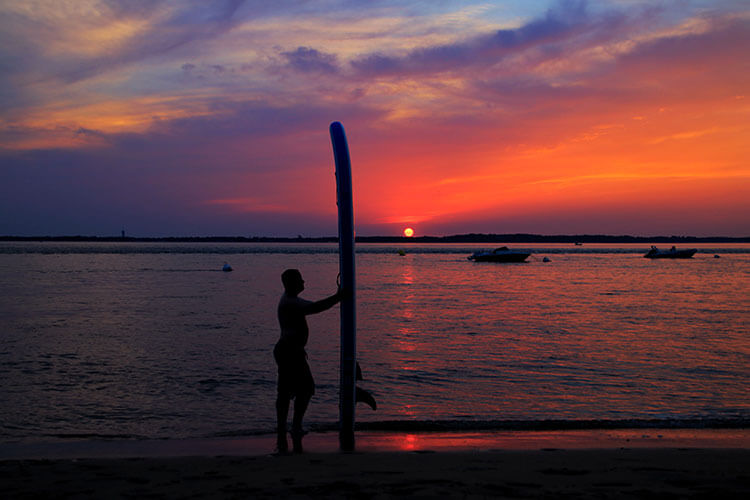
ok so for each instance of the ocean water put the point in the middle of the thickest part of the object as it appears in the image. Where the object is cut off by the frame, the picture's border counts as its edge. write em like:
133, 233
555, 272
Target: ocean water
152, 340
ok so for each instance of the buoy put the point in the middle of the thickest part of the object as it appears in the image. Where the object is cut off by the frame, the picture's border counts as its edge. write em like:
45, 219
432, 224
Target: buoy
546, 259
227, 268
717, 256
401, 253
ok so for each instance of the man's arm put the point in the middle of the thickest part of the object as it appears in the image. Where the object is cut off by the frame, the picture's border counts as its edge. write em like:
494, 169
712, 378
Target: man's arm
323, 304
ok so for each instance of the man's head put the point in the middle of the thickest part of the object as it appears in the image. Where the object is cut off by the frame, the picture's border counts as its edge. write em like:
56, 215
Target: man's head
293, 282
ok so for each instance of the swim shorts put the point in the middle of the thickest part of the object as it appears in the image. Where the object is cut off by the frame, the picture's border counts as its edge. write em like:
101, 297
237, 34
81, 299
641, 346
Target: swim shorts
295, 376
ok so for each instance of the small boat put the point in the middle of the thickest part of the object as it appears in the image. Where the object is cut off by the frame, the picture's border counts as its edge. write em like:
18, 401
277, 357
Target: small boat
672, 253
502, 254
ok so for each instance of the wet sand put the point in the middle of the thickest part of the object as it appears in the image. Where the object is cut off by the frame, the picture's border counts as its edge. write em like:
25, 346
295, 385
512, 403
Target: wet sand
427, 469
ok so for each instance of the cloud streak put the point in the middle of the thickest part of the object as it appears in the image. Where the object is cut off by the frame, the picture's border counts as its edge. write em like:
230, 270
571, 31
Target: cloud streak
309, 60
564, 27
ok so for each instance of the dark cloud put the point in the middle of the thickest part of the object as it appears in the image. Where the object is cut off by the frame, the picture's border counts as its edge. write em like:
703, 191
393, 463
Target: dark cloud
258, 119
309, 60
564, 27
89, 133
722, 44
560, 22
669, 68
501, 69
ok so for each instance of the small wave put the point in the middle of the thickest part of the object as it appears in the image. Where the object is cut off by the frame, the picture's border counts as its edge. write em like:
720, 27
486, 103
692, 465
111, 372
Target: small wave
549, 425
259, 432
95, 435
512, 425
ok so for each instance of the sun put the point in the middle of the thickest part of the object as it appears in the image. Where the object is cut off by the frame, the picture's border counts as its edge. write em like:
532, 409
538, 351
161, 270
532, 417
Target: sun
408, 232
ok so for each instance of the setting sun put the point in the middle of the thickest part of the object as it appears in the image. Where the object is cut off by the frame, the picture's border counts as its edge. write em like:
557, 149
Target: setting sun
408, 232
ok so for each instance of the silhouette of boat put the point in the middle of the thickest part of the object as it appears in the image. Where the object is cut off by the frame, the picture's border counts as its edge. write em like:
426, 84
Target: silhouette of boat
672, 253
502, 254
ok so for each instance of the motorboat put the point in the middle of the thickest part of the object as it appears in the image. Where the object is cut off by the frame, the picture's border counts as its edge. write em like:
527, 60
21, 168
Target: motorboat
502, 254
672, 253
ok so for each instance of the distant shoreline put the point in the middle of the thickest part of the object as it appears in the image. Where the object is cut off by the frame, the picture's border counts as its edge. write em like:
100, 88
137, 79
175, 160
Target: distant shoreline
459, 238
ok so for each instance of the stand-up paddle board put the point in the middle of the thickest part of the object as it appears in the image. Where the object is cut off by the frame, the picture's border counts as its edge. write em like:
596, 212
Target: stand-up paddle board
347, 397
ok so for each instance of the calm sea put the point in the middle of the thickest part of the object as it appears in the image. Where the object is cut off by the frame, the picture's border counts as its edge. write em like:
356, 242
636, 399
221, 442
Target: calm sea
152, 340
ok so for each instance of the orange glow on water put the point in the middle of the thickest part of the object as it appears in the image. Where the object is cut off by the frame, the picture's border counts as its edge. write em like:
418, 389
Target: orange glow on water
409, 443
507, 319
536, 440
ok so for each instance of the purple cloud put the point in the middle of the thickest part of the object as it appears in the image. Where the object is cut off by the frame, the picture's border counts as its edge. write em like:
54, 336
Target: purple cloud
309, 60
564, 27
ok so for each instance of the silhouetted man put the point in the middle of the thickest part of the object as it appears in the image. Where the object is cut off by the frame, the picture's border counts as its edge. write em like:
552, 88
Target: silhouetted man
295, 381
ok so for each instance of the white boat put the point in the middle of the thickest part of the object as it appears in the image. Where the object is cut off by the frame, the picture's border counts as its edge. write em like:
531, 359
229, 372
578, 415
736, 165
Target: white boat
502, 254
672, 253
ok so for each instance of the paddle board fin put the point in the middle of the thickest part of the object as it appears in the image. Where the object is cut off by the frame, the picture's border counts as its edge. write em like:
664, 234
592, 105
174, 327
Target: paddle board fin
363, 396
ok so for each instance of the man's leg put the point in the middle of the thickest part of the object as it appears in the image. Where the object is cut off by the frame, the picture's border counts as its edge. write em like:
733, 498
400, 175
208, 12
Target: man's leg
282, 412
300, 406
305, 390
282, 397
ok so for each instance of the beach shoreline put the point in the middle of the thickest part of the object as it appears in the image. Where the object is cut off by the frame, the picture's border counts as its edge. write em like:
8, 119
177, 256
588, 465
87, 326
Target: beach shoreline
385, 442
637, 472
620, 463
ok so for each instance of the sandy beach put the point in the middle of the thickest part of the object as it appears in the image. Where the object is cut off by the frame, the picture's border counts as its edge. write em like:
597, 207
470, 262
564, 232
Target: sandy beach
628, 473
652, 468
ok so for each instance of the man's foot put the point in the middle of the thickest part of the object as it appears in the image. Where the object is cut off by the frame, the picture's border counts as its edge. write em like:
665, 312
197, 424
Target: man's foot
297, 435
281, 444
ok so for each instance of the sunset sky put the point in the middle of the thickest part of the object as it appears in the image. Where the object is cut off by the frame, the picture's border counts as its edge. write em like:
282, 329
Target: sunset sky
182, 118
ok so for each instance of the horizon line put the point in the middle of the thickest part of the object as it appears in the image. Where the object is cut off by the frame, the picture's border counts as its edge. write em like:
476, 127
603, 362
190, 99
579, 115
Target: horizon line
455, 238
